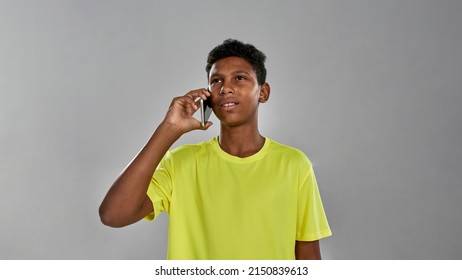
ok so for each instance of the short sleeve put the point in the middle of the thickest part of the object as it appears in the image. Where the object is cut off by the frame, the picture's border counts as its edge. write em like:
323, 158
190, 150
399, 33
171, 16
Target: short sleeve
312, 222
160, 187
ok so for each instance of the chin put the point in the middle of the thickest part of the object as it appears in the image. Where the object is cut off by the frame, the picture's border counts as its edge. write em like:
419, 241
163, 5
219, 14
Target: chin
234, 120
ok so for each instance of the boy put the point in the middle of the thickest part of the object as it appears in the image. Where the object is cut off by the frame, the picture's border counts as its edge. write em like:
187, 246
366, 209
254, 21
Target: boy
237, 196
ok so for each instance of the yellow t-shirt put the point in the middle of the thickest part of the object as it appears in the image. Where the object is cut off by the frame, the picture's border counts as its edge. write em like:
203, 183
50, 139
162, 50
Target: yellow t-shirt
225, 207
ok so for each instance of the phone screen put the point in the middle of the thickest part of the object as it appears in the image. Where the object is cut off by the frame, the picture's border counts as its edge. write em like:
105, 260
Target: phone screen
206, 111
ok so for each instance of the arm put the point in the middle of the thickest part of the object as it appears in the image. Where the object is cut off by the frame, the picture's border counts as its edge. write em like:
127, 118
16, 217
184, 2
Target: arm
126, 201
307, 250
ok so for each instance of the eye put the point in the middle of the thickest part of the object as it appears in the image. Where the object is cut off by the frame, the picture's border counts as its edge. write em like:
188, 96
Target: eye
240, 78
215, 81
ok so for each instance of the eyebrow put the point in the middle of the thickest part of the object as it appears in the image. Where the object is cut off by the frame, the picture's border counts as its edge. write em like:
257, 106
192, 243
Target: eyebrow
232, 73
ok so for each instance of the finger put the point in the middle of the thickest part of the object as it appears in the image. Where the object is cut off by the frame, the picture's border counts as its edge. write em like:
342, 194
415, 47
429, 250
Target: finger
184, 104
206, 93
197, 96
202, 93
190, 103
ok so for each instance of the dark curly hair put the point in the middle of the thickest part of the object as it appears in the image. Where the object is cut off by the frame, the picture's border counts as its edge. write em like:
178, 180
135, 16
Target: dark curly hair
248, 52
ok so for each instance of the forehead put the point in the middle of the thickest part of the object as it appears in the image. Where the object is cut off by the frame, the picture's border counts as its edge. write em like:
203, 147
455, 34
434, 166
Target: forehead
231, 64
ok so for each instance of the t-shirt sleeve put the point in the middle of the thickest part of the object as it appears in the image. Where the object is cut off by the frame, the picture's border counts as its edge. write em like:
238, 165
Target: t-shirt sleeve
312, 223
160, 187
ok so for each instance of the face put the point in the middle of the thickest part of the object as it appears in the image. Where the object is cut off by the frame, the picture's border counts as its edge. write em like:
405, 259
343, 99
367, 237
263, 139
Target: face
235, 92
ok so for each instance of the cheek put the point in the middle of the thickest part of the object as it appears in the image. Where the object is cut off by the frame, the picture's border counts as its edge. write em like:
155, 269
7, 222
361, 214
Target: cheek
258, 94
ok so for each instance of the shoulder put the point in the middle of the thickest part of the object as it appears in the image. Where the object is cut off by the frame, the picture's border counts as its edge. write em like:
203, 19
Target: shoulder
288, 152
289, 158
189, 150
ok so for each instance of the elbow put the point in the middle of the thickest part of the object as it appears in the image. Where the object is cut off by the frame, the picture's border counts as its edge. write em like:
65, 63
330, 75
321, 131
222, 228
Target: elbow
109, 218
120, 215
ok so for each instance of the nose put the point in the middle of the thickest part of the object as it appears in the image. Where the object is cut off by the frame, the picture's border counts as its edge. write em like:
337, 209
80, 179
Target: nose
225, 89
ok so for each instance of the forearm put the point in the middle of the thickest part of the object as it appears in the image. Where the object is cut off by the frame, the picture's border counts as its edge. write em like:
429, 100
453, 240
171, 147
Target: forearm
125, 202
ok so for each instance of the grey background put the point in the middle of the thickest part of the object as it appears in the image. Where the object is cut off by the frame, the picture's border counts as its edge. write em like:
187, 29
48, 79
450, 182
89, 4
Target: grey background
370, 90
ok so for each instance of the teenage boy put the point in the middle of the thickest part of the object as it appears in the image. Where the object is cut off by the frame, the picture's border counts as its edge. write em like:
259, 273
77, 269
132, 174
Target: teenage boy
237, 196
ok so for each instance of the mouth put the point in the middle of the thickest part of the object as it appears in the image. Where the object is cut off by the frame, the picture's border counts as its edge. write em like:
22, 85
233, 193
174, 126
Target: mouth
229, 105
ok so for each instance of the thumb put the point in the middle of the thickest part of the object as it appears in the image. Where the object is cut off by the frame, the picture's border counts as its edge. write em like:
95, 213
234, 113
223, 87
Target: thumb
206, 126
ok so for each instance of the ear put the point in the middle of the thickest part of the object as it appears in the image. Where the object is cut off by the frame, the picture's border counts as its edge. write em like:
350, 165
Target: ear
264, 93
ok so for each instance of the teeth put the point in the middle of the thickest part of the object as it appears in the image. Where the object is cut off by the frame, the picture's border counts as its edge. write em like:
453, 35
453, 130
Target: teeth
228, 104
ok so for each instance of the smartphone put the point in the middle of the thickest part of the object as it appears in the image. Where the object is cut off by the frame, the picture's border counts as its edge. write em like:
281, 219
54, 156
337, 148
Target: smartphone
206, 111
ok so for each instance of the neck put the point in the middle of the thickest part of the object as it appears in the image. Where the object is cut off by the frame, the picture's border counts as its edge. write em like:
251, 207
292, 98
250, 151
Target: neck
241, 141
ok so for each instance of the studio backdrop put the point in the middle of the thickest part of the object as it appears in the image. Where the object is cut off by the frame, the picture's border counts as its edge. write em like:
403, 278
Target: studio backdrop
371, 91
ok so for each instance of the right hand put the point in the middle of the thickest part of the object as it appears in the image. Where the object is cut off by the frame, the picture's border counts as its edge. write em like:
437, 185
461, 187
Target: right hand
181, 111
